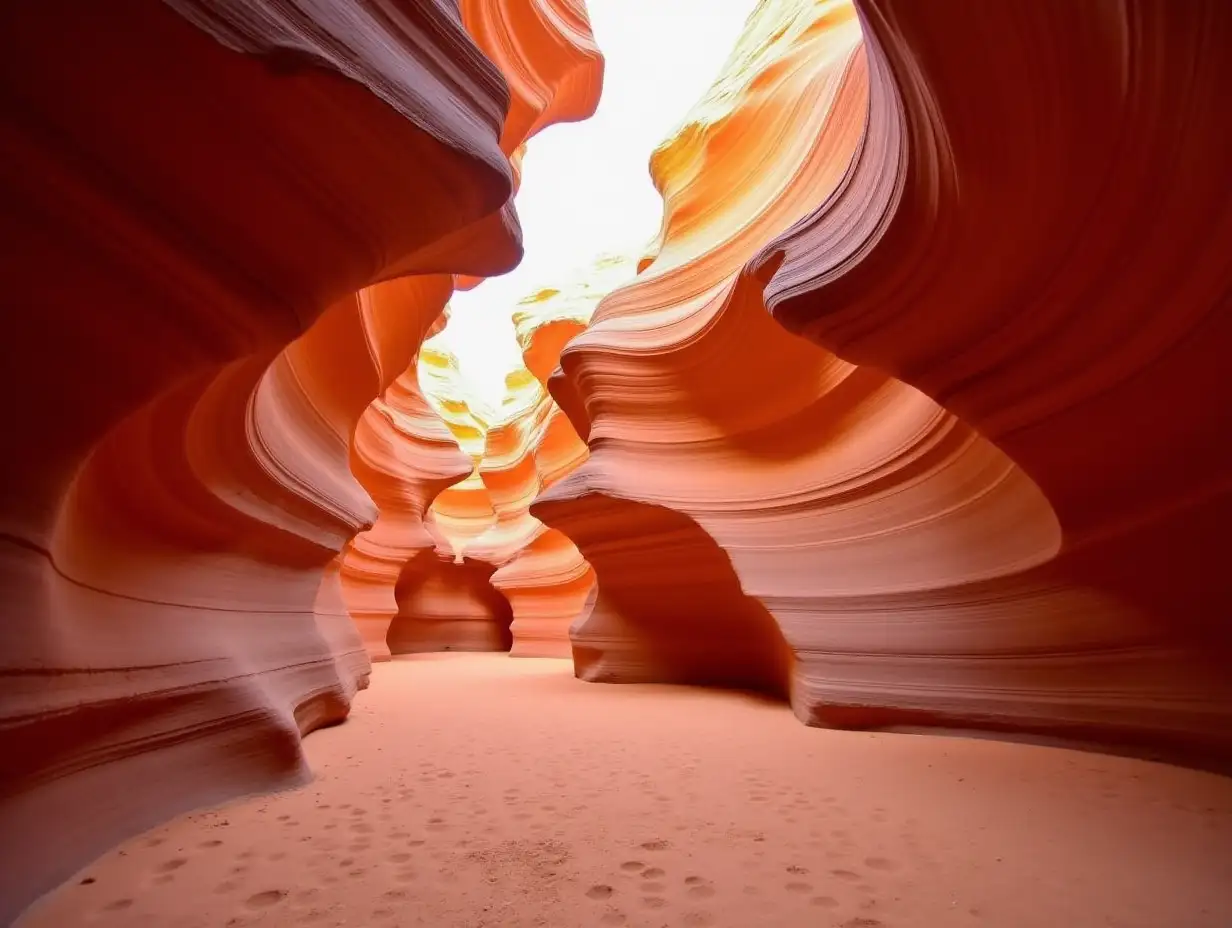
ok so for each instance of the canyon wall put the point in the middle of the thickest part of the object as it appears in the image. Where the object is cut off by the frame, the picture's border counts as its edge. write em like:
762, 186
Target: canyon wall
481, 525
432, 500
214, 212
923, 527
546, 580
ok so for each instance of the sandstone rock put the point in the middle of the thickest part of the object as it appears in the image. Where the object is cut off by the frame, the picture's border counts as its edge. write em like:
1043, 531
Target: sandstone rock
1043, 249
189, 188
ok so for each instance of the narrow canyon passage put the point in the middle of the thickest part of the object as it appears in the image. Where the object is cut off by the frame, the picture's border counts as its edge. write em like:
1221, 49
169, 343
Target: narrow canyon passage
777, 389
474, 791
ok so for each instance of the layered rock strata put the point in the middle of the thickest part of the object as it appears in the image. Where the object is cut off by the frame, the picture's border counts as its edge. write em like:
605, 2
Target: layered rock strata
910, 566
547, 581
172, 527
1045, 251
432, 498
917, 569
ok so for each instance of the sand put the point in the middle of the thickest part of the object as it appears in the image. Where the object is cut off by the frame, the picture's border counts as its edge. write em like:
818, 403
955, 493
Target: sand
469, 791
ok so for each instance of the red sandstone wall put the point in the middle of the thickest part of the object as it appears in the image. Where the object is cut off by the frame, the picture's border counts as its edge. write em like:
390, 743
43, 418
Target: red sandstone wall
190, 187
546, 53
1051, 571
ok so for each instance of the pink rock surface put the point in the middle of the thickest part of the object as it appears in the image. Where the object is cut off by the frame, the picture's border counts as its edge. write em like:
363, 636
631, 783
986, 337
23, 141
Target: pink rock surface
1035, 232
173, 527
424, 472
906, 561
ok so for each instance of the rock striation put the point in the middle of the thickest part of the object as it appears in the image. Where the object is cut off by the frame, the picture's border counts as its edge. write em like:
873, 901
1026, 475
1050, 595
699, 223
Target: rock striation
202, 335
1044, 251
432, 498
883, 561
543, 575
484, 520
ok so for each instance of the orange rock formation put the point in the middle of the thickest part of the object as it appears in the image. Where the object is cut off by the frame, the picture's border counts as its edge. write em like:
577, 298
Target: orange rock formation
982, 484
1045, 251
525, 446
880, 561
545, 51
189, 187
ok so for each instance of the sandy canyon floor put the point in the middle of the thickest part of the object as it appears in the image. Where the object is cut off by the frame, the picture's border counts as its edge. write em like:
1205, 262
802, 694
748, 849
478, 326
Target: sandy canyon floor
479, 790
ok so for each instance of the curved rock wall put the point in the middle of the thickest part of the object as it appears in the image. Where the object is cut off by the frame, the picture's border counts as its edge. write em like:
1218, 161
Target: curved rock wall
448, 605
542, 573
172, 527
910, 565
504, 457
433, 498
1044, 250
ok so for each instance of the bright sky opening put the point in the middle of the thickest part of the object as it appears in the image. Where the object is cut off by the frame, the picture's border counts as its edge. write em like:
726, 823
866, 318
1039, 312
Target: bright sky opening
586, 187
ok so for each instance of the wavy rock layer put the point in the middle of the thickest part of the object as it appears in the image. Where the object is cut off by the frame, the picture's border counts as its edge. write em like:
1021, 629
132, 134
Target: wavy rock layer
422, 471
910, 564
485, 519
1085, 336
173, 523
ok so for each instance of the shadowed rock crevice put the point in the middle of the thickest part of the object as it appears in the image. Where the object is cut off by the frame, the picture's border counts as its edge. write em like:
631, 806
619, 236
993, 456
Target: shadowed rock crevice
444, 605
667, 606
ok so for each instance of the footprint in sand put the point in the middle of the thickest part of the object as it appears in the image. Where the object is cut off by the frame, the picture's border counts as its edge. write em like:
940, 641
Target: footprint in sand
798, 887
701, 890
879, 863
824, 902
697, 919
174, 864
599, 891
264, 900
845, 875
657, 845
118, 906
654, 902
653, 873
632, 866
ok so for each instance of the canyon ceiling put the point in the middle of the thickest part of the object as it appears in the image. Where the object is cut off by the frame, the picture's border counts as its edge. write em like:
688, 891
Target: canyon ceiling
914, 412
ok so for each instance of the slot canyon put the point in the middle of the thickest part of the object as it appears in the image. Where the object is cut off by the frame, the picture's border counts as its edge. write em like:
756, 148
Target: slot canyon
650, 463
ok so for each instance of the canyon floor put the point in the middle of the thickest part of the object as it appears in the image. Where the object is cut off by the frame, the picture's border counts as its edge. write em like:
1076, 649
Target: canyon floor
480, 790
